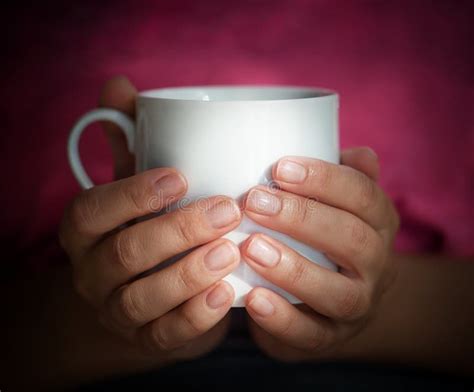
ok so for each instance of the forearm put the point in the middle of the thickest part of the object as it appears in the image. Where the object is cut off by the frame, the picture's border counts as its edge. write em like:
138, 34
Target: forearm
52, 337
426, 318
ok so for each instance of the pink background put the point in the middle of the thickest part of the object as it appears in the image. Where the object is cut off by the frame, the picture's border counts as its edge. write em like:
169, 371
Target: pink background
404, 72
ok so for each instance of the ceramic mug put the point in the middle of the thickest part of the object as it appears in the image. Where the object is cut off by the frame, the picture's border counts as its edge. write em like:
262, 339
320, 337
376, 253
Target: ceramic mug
225, 139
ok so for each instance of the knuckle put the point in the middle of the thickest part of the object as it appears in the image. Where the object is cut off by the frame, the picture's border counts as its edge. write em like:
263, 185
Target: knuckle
359, 237
304, 215
185, 230
196, 326
316, 338
296, 272
136, 197
126, 251
287, 326
82, 212
187, 277
128, 305
157, 339
322, 173
352, 304
299, 213
368, 193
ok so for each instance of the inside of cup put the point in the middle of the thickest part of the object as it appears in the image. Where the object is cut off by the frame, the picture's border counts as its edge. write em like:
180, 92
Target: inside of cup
236, 93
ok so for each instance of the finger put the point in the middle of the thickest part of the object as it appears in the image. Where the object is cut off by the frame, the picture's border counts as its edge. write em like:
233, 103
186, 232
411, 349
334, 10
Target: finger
274, 314
149, 298
336, 185
211, 338
140, 247
346, 239
363, 159
103, 208
327, 292
118, 93
273, 347
190, 320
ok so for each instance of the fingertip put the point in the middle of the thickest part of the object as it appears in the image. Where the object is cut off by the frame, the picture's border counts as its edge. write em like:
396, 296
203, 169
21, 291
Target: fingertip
119, 93
182, 178
220, 296
261, 306
243, 246
358, 150
259, 303
230, 290
121, 78
242, 201
223, 201
371, 152
117, 81
251, 294
221, 254
275, 168
261, 249
364, 159
236, 252
158, 173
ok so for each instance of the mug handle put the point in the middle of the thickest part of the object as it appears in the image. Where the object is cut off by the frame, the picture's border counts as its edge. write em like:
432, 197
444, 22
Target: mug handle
124, 122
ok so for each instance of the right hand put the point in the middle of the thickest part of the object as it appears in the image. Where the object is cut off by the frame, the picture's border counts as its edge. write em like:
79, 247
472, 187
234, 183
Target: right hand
177, 312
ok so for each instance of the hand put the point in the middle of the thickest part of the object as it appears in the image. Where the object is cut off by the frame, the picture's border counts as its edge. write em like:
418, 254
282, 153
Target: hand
178, 311
340, 210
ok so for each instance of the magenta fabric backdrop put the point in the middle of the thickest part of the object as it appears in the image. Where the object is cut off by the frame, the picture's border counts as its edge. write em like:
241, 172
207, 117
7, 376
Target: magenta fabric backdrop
404, 71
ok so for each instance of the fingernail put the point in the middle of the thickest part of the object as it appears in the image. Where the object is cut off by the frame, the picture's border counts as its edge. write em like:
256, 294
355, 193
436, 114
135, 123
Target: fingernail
262, 306
372, 152
220, 257
291, 172
223, 214
263, 252
263, 203
170, 185
217, 297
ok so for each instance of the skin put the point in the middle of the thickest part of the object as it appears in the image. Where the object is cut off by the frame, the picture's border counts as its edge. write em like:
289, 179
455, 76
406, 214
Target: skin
175, 313
118, 317
356, 232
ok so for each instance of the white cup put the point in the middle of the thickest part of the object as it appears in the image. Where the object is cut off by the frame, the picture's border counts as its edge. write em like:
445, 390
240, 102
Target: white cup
225, 139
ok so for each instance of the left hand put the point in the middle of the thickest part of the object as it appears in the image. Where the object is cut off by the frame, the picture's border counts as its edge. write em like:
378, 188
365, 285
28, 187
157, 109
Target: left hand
341, 211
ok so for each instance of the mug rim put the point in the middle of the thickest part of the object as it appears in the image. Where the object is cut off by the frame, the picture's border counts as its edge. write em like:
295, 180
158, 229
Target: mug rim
268, 93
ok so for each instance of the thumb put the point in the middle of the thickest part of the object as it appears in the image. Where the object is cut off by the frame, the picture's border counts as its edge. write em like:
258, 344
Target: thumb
363, 159
118, 93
